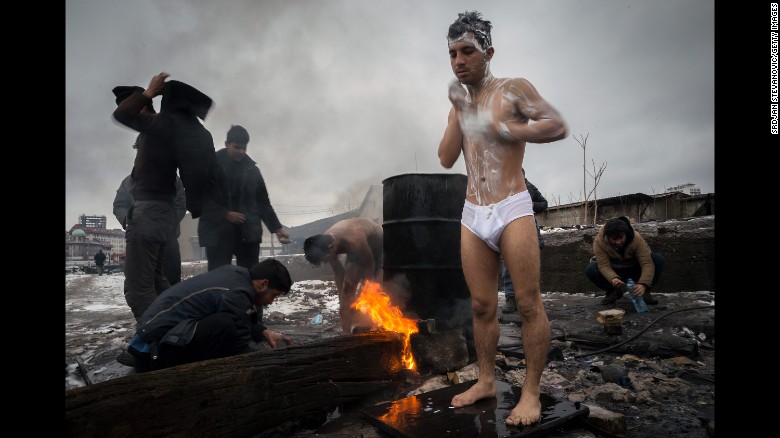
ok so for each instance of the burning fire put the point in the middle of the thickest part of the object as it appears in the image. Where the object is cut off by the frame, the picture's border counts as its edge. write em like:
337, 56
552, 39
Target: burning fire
400, 410
375, 303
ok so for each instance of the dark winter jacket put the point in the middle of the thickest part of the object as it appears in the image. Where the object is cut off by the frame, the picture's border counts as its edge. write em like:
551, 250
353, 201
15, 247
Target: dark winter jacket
100, 258
635, 251
248, 195
540, 202
173, 316
172, 139
540, 205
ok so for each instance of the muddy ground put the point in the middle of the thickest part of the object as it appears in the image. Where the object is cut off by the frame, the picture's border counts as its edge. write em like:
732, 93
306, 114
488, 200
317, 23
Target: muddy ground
670, 361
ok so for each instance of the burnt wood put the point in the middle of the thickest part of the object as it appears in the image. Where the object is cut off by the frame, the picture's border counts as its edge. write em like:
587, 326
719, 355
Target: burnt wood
441, 352
239, 395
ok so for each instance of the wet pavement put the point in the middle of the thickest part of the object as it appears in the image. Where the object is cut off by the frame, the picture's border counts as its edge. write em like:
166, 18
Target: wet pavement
430, 414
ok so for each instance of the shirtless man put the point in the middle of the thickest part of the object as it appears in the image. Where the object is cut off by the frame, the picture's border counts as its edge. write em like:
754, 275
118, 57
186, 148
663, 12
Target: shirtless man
361, 240
489, 123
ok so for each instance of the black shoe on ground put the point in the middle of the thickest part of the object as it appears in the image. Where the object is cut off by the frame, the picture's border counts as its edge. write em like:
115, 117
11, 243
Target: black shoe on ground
126, 359
649, 298
612, 296
510, 306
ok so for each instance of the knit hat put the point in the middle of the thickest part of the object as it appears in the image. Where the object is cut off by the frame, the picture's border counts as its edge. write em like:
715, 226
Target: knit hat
237, 134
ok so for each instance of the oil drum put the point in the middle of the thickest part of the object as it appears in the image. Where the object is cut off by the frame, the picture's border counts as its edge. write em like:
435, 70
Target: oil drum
422, 267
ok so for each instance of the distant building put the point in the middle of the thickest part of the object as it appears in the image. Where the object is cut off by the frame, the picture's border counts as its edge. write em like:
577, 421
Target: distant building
638, 207
688, 189
81, 243
92, 221
78, 247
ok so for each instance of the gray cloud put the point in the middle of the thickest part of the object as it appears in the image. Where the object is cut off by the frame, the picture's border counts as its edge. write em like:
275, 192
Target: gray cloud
338, 94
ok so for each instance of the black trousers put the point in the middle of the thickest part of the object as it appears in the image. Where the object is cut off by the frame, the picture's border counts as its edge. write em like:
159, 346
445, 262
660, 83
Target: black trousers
592, 271
247, 254
172, 261
149, 226
214, 337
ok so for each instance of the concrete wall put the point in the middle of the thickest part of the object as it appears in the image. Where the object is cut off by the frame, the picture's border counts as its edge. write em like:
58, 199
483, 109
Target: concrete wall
189, 229
299, 268
687, 244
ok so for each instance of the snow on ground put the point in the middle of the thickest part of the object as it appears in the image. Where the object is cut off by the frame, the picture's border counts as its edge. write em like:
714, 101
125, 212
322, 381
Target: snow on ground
105, 293
99, 323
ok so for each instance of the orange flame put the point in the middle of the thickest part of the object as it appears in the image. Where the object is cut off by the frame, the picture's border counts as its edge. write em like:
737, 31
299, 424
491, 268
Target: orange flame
401, 409
375, 303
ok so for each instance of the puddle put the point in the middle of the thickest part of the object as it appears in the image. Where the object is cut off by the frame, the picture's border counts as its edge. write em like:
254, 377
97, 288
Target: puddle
429, 414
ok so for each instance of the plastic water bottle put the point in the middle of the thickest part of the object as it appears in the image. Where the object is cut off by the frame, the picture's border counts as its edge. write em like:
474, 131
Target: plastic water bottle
639, 302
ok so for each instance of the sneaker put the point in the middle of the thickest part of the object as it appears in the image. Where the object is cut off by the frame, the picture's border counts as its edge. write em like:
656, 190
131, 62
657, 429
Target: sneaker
126, 359
510, 306
612, 296
649, 298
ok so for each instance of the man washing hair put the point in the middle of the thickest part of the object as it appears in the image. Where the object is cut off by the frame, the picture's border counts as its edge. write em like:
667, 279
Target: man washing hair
490, 122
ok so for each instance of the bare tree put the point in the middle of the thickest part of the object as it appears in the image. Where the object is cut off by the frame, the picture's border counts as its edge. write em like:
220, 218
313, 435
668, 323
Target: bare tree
596, 175
596, 178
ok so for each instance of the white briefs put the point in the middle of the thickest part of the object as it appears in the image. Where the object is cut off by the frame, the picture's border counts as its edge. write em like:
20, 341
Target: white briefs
488, 221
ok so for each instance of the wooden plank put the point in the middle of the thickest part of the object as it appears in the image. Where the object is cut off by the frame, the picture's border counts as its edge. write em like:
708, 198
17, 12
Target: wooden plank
240, 395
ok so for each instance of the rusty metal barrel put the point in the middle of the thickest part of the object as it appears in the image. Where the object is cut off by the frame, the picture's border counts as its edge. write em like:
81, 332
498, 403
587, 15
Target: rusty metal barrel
422, 267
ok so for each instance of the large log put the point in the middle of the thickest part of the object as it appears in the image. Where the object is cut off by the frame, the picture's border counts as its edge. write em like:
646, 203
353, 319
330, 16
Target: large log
240, 395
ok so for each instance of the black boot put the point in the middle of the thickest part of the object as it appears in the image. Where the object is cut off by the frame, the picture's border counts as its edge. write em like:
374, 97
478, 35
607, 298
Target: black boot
612, 296
126, 359
649, 298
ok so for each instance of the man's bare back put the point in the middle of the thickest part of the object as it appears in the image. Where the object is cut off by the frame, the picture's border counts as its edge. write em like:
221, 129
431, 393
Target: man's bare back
361, 239
356, 236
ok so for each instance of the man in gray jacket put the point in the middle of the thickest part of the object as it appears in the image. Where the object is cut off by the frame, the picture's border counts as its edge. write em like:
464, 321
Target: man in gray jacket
123, 200
208, 316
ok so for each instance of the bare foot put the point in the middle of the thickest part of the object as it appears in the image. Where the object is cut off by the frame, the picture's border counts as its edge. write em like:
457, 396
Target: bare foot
528, 411
474, 394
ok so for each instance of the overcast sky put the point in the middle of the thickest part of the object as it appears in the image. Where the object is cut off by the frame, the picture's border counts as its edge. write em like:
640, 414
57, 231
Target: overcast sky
341, 94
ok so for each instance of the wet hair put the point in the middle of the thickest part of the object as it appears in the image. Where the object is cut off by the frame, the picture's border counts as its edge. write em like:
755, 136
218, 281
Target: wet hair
276, 273
237, 134
616, 227
316, 247
471, 21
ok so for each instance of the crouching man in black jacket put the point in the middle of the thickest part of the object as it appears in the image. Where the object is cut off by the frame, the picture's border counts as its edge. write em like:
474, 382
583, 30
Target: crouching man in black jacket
209, 316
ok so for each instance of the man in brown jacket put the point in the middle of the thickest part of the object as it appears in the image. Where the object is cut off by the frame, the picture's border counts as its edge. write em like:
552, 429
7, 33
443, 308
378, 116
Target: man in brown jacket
621, 253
